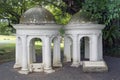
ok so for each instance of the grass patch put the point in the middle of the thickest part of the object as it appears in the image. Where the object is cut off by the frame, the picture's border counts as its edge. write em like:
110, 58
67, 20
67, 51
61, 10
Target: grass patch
7, 52
7, 37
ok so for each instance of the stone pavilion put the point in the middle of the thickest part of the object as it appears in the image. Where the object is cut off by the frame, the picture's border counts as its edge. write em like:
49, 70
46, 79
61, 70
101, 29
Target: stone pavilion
82, 31
39, 23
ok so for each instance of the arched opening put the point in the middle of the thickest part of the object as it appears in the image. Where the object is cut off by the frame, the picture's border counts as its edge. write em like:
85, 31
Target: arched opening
35, 50
85, 48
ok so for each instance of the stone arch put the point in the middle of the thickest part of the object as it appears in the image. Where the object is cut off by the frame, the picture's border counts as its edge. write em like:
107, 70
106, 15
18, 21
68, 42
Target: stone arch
84, 47
33, 50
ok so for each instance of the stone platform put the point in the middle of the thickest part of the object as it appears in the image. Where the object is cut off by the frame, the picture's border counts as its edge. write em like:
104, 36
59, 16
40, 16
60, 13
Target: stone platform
95, 66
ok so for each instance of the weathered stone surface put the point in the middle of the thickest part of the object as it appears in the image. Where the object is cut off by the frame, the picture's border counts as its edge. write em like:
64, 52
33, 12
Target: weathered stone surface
35, 23
94, 66
36, 67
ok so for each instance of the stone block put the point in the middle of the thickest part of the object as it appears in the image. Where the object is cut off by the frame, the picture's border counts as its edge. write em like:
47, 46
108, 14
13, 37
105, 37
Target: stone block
36, 67
95, 66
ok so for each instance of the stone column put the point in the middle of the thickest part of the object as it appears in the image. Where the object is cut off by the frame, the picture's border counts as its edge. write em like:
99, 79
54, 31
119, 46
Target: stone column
67, 49
47, 55
24, 69
79, 49
75, 62
33, 51
56, 52
18, 54
94, 48
79, 52
87, 48
43, 50
29, 48
100, 47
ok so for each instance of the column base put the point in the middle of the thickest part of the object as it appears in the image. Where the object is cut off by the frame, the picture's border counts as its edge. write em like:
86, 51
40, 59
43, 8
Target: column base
65, 59
16, 66
75, 65
68, 60
24, 72
81, 63
57, 64
49, 71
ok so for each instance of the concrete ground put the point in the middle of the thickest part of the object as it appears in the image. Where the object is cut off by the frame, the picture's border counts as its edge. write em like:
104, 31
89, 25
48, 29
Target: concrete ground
64, 73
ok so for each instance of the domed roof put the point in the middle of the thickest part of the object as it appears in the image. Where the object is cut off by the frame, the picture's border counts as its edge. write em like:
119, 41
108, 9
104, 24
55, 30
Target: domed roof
37, 15
81, 17
83, 21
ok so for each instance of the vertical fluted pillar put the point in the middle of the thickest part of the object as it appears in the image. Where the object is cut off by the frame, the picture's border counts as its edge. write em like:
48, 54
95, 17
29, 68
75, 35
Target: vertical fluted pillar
79, 49
67, 49
94, 48
43, 50
47, 55
79, 52
75, 62
17, 53
87, 48
33, 51
56, 52
24, 69
100, 47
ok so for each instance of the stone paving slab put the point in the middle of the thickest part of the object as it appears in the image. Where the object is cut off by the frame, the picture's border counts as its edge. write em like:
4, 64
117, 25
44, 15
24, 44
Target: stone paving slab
65, 73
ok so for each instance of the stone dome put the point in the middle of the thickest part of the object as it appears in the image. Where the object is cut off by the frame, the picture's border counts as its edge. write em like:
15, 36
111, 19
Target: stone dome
81, 20
37, 15
81, 17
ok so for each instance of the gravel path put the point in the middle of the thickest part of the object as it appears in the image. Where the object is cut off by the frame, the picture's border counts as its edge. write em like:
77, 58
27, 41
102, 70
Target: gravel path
65, 73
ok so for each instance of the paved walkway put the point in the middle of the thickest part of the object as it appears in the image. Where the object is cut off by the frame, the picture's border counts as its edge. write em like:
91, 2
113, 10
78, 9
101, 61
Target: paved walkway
65, 73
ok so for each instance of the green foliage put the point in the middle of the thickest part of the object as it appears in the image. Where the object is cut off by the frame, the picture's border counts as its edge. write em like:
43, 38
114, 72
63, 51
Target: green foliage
60, 17
113, 7
103, 10
4, 27
111, 34
106, 12
96, 8
13, 9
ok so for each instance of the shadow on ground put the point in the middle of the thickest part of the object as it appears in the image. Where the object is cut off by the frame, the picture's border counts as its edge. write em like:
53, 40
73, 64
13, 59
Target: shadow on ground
64, 73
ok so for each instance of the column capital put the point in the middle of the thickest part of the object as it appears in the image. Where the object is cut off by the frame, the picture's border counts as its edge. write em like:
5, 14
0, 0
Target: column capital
48, 36
74, 35
94, 36
24, 36
75, 38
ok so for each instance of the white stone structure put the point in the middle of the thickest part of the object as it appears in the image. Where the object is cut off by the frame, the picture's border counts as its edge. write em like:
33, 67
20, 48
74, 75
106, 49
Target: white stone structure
79, 28
39, 23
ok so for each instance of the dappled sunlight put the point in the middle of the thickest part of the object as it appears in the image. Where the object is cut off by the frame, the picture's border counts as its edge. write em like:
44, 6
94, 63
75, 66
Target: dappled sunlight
7, 37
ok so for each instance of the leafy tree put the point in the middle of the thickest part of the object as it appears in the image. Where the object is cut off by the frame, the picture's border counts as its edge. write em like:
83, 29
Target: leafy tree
106, 12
